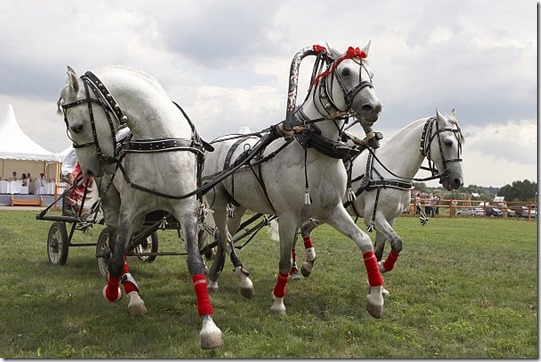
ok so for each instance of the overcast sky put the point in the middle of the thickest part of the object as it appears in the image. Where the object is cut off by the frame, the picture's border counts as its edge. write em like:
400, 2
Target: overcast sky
227, 63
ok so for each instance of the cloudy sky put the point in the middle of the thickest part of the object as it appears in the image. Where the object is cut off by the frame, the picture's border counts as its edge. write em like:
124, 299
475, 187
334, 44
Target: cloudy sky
227, 63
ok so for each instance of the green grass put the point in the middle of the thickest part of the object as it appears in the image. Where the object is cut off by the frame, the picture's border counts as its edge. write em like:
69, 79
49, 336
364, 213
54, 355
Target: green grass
462, 288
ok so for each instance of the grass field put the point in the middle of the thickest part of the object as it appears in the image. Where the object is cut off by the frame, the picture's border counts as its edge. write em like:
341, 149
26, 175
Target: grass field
462, 288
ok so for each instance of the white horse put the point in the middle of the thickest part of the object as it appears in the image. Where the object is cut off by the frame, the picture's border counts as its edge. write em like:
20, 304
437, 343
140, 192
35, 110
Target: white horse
301, 177
383, 180
157, 169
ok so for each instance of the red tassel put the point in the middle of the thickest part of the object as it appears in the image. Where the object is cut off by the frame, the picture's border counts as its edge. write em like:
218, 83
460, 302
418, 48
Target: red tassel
374, 275
203, 301
388, 264
280, 287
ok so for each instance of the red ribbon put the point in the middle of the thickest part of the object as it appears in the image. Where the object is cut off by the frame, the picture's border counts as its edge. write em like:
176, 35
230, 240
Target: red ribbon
319, 48
350, 54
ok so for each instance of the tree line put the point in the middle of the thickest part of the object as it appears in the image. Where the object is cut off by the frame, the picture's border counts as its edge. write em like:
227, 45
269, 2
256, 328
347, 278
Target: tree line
516, 191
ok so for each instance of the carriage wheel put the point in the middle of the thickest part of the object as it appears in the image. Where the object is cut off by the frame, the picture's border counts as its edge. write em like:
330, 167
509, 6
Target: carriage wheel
57, 243
149, 245
103, 252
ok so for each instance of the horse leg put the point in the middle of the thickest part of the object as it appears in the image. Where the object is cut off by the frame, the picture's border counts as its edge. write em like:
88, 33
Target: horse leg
216, 267
118, 267
342, 222
226, 246
309, 251
380, 244
294, 272
384, 228
287, 230
246, 285
210, 335
136, 305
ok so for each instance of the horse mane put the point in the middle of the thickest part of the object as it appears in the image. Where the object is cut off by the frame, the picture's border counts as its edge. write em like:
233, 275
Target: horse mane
143, 74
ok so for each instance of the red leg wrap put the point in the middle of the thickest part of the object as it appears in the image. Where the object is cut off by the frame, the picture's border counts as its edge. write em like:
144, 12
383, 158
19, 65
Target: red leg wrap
128, 286
307, 242
203, 301
388, 264
374, 275
111, 292
280, 287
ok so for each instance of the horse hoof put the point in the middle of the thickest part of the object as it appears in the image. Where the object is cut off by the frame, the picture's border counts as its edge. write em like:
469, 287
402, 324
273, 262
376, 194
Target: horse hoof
110, 295
306, 271
212, 286
295, 276
210, 335
247, 292
211, 341
374, 302
136, 305
375, 311
137, 309
278, 307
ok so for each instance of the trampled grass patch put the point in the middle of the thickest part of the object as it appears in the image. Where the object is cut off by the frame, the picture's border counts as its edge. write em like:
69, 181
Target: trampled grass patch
462, 288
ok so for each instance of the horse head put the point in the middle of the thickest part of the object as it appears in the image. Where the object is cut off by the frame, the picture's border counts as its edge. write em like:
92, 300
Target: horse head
348, 81
89, 124
443, 148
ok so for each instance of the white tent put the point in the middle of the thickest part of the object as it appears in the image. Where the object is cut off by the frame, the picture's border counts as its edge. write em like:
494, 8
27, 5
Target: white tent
16, 146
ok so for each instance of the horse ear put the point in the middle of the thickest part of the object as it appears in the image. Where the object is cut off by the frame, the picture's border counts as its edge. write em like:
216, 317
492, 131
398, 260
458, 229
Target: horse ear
73, 83
439, 115
367, 47
453, 114
333, 53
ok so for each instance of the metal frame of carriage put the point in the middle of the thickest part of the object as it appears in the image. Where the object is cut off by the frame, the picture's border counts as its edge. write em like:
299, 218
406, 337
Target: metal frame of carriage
143, 245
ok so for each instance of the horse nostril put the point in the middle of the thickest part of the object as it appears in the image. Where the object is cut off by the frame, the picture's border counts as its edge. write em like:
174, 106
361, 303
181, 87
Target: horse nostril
367, 108
457, 182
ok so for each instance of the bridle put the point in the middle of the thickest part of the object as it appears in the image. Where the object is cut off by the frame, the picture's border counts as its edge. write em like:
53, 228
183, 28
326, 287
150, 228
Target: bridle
403, 182
324, 81
113, 111
111, 108
425, 146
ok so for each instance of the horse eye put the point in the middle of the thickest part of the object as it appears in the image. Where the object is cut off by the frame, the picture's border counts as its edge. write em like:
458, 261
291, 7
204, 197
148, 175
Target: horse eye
346, 72
448, 142
77, 129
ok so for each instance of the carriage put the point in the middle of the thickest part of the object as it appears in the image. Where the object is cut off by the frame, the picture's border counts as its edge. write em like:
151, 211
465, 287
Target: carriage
143, 245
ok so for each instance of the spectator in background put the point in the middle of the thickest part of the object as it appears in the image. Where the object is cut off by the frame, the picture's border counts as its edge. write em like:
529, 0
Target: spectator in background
438, 199
432, 201
14, 176
418, 203
25, 180
31, 184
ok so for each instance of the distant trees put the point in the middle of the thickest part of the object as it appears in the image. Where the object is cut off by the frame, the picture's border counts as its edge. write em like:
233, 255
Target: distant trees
519, 191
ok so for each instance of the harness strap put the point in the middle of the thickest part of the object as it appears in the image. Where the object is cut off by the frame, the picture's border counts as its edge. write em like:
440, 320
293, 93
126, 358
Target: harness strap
258, 175
227, 162
159, 145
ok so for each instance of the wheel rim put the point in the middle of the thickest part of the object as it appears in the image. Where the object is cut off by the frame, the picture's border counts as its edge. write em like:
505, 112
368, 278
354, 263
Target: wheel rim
55, 243
144, 247
104, 254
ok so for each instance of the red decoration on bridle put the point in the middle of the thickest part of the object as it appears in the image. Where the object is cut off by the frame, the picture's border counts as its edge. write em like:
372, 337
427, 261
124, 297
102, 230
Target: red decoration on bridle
319, 48
350, 54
